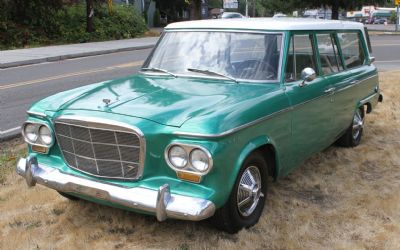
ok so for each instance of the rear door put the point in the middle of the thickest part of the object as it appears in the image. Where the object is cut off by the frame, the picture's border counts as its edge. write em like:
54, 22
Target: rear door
361, 77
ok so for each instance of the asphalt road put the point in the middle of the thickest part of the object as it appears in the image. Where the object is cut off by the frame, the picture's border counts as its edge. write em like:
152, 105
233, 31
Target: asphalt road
21, 86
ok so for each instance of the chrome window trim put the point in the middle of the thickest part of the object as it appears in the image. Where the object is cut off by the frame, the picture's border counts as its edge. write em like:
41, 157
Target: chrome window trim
189, 168
279, 74
38, 125
106, 124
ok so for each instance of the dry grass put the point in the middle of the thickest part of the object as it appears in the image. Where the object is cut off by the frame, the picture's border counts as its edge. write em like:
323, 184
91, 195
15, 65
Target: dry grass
9, 154
339, 199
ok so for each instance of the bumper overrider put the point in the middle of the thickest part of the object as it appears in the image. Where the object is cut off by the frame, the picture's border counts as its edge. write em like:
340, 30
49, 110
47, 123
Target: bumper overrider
160, 202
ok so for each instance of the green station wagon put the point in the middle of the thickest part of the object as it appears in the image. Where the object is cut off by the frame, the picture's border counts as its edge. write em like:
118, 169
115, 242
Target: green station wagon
218, 108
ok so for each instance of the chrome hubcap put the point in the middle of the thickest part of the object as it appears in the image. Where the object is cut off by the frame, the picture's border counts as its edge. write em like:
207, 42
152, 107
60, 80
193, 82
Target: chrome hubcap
249, 191
358, 124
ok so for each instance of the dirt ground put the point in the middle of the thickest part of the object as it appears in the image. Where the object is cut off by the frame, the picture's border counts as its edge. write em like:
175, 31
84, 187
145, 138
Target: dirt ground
339, 199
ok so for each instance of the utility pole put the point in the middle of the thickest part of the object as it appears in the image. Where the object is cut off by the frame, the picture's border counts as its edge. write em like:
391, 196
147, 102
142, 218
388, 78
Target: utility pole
397, 18
254, 8
247, 9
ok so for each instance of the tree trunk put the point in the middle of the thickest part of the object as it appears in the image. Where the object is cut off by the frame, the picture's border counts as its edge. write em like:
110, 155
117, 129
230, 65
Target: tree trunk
89, 16
335, 10
195, 10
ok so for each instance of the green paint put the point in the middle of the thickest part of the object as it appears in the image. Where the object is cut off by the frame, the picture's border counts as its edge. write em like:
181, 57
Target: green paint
301, 120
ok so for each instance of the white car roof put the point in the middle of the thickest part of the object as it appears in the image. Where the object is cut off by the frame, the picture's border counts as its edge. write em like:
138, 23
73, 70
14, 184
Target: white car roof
278, 24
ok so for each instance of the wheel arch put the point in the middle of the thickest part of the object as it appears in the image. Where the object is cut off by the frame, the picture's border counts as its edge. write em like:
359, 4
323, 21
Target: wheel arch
267, 148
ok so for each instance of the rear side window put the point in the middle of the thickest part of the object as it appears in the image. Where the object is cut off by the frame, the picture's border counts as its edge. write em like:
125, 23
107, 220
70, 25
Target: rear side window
352, 50
301, 55
328, 52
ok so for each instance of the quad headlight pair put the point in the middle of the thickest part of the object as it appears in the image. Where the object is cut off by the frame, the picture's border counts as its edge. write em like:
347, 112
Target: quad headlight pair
38, 134
190, 158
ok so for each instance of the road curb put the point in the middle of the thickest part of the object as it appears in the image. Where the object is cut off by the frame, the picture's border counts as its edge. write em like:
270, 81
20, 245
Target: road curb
10, 136
71, 56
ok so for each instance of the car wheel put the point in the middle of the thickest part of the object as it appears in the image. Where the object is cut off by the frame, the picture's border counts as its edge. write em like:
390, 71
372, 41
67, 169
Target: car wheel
353, 134
68, 196
247, 198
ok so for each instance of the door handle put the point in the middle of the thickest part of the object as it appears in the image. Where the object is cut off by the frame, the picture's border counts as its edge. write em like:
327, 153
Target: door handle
330, 90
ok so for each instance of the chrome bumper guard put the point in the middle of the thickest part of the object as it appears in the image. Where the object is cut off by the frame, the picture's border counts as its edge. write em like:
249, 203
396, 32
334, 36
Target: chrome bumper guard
160, 202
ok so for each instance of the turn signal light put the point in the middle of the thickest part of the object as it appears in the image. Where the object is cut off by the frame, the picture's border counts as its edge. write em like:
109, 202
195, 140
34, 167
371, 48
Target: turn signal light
188, 176
39, 149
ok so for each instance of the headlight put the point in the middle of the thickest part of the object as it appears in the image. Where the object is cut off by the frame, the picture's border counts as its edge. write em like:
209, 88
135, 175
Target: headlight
199, 160
177, 156
45, 135
30, 132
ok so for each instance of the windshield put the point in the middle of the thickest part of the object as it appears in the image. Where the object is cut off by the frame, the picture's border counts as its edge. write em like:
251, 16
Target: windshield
242, 56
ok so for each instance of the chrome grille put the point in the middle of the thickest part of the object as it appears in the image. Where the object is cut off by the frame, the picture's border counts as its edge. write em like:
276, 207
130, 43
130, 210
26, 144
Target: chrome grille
101, 149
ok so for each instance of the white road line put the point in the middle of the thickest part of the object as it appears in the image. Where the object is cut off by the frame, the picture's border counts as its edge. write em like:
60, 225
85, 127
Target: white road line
392, 61
9, 130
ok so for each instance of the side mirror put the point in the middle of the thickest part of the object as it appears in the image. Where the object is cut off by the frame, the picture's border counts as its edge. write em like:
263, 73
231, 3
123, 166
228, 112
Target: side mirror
371, 60
307, 75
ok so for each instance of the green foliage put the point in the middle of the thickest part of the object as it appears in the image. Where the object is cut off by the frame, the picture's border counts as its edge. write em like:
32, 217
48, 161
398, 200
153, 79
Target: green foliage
66, 24
215, 4
123, 23
392, 18
157, 18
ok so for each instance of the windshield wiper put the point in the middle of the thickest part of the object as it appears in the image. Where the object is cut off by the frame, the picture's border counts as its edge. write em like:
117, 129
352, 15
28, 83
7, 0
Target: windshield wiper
158, 70
209, 72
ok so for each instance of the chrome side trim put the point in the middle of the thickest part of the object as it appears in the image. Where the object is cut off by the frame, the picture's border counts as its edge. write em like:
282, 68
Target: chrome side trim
161, 202
262, 119
233, 130
34, 113
110, 125
368, 98
355, 83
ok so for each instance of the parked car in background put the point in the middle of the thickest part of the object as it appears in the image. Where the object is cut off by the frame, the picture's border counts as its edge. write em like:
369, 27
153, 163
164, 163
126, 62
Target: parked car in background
380, 20
279, 15
198, 133
227, 15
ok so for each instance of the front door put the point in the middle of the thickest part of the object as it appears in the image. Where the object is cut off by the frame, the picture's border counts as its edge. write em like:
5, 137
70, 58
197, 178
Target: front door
311, 104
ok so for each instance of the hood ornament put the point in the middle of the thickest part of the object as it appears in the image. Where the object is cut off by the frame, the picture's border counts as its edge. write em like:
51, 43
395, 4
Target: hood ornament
107, 101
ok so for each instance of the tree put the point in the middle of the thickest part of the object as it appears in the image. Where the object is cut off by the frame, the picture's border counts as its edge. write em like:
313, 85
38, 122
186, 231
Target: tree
287, 6
89, 16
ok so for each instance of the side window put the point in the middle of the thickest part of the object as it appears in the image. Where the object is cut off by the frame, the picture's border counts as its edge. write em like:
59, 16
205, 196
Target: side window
352, 50
328, 52
300, 56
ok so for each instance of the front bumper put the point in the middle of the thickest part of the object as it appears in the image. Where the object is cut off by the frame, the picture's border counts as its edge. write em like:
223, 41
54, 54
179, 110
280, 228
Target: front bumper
160, 202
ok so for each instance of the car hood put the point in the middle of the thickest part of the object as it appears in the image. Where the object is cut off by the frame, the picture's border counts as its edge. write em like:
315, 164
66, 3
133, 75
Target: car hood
165, 100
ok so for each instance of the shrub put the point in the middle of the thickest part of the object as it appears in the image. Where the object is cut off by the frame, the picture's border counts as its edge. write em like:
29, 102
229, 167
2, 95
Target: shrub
68, 25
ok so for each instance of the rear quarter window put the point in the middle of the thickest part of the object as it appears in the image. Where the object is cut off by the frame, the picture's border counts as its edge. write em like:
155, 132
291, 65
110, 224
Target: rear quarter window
352, 49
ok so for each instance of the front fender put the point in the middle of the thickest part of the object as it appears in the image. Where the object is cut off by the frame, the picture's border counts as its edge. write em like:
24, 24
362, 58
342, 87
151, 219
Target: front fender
246, 150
